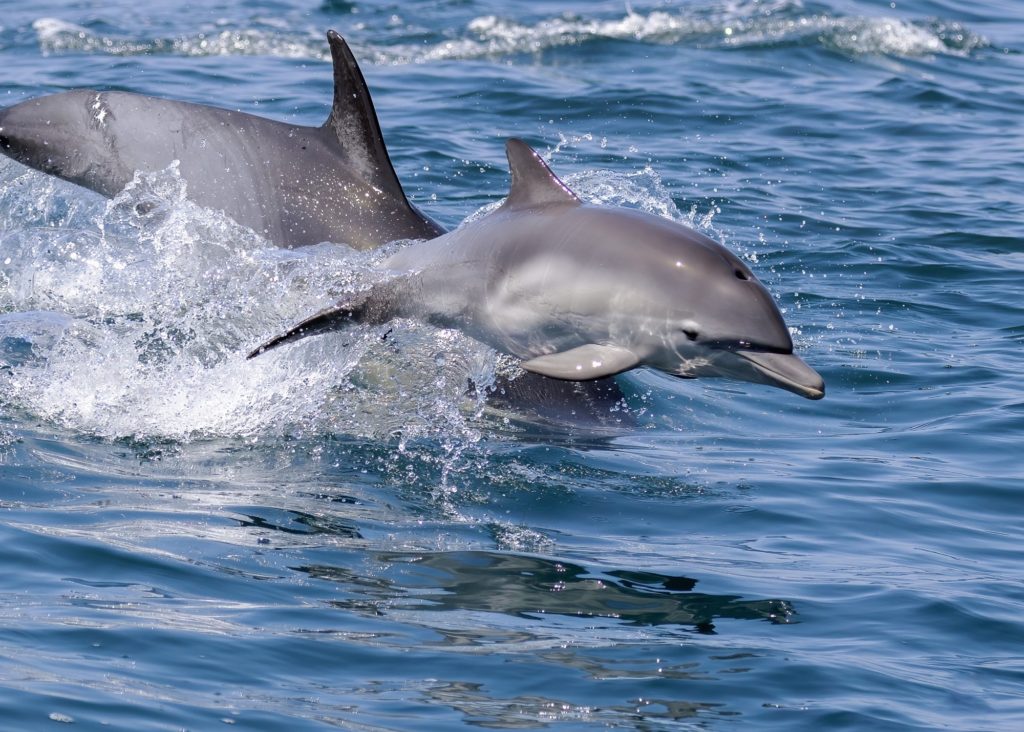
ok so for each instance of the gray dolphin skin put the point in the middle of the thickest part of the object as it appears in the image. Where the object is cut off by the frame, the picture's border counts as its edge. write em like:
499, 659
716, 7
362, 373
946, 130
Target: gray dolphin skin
580, 292
294, 185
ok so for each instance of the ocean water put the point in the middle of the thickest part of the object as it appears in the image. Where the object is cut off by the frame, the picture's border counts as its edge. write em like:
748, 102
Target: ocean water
335, 536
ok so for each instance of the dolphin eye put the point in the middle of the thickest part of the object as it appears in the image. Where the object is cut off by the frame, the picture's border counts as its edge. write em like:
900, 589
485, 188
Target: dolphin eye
740, 274
690, 333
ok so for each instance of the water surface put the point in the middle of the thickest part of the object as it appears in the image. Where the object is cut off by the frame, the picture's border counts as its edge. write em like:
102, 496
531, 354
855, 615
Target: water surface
336, 536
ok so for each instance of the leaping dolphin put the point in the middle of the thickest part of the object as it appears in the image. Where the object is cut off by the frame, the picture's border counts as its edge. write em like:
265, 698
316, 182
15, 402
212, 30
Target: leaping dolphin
293, 184
580, 292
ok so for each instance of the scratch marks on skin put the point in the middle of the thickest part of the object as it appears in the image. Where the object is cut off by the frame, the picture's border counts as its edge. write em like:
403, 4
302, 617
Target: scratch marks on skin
692, 368
99, 109
350, 127
95, 161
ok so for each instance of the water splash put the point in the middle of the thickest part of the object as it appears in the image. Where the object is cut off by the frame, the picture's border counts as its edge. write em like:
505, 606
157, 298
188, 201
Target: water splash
134, 322
641, 189
131, 318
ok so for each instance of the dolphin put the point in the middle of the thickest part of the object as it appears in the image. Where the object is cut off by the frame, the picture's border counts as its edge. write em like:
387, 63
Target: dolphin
580, 292
294, 185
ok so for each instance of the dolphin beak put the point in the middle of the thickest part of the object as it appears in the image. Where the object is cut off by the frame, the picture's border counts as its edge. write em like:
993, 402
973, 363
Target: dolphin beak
786, 371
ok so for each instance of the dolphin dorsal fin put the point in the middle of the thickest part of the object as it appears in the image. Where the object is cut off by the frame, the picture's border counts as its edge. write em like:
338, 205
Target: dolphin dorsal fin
533, 183
353, 121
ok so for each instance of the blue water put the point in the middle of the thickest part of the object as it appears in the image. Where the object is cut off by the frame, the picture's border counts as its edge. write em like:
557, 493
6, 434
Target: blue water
337, 537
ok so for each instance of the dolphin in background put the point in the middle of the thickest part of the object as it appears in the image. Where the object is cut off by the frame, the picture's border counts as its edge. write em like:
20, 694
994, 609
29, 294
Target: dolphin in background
293, 184
580, 292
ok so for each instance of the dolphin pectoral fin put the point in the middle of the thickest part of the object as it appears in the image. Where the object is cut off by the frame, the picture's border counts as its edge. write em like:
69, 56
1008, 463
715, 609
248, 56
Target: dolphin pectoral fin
584, 363
333, 318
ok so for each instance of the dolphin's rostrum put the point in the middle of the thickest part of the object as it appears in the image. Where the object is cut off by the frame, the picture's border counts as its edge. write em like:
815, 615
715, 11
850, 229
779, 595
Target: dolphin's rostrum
293, 184
580, 292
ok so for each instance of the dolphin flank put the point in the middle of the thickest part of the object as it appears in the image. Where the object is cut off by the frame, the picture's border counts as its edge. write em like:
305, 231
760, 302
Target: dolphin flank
580, 292
293, 184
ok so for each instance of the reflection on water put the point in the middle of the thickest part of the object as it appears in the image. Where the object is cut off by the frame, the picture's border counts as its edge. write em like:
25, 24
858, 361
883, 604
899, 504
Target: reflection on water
527, 712
301, 523
296, 551
528, 587
542, 614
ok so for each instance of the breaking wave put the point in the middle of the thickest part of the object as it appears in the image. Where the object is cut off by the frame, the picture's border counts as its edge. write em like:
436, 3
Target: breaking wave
58, 36
744, 24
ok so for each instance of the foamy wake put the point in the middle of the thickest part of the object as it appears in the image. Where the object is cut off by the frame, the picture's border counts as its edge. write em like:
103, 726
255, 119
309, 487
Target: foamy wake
742, 24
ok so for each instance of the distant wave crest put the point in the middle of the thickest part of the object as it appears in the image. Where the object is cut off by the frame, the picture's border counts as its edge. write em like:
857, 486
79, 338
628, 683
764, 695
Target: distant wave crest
743, 25
58, 36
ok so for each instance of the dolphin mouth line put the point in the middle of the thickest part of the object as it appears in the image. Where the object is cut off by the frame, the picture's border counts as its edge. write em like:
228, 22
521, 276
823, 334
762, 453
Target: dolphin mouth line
788, 371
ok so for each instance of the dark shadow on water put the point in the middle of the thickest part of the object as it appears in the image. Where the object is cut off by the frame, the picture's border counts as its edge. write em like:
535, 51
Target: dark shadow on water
534, 402
529, 587
299, 523
538, 712
568, 619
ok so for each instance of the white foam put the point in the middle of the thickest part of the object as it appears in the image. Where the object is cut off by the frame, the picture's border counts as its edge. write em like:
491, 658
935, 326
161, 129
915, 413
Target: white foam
47, 28
859, 36
731, 24
56, 36
137, 324
748, 23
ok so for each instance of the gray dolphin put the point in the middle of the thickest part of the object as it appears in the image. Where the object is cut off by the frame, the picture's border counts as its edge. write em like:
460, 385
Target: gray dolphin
293, 184
581, 292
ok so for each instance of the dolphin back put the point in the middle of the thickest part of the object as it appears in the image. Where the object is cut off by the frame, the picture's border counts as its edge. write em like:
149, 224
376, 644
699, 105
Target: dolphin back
295, 185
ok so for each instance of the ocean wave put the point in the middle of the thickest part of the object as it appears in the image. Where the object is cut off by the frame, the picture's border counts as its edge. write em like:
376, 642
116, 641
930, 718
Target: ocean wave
490, 36
859, 36
58, 36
